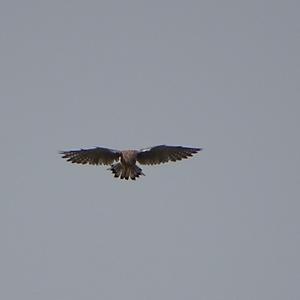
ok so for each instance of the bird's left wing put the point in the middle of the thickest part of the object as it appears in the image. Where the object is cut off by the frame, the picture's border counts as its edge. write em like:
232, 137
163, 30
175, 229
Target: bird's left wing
162, 154
95, 156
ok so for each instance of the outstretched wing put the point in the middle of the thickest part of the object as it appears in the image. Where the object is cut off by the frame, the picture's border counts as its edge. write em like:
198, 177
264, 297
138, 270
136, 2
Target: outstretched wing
162, 154
95, 156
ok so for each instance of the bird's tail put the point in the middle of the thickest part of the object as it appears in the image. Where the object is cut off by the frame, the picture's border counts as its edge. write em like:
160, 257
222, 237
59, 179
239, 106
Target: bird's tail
126, 172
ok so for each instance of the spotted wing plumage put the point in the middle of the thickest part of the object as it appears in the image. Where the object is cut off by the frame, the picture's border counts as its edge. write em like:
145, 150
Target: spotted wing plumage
162, 154
95, 156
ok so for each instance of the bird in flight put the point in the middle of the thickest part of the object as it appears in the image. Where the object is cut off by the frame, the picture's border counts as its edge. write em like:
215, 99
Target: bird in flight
125, 166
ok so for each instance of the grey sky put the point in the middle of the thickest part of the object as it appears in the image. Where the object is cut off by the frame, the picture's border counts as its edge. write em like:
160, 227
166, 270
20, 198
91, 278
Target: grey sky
222, 75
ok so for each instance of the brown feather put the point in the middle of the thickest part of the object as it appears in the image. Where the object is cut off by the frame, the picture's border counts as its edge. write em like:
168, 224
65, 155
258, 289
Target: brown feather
162, 154
96, 156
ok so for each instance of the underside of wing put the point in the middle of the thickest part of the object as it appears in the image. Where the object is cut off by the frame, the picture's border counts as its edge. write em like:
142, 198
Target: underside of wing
95, 156
162, 154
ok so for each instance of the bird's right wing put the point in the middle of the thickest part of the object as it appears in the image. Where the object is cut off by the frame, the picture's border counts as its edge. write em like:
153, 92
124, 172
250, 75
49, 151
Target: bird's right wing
95, 156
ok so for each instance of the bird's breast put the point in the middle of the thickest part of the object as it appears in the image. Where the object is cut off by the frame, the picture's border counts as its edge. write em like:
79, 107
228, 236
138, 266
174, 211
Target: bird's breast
128, 157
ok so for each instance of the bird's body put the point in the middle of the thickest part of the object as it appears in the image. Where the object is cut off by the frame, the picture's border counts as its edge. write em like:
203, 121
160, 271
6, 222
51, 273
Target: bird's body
128, 157
126, 167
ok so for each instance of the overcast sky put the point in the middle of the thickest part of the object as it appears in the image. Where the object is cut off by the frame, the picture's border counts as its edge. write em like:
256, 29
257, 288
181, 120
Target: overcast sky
222, 75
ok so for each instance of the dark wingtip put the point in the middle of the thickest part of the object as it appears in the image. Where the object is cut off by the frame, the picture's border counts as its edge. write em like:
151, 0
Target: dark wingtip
196, 150
62, 153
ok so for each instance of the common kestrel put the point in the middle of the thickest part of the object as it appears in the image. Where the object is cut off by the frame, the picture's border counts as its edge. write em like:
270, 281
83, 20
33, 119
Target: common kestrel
126, 160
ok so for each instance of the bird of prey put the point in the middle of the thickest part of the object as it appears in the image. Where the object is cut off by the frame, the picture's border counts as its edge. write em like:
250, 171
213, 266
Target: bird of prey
126, 167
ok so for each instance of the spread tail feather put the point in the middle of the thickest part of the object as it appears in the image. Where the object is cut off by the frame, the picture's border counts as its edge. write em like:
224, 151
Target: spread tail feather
116, 169
125, 172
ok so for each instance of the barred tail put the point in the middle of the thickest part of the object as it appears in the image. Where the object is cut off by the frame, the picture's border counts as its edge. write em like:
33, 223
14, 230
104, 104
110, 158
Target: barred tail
116, 169
125, 172
135, 171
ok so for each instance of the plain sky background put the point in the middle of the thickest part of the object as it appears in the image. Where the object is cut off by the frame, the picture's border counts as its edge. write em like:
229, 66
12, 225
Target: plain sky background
222, 75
